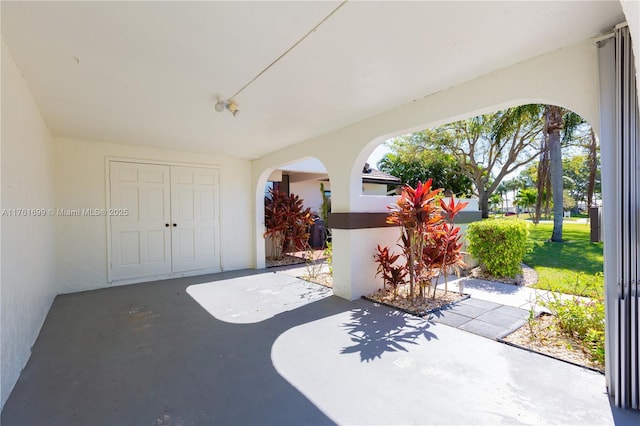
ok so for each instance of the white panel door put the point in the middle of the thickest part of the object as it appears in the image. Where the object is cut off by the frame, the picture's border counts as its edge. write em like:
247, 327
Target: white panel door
140, 240
195, 219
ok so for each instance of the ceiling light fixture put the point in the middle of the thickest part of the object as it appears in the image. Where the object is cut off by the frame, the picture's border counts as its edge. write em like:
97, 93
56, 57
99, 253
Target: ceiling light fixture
231, 106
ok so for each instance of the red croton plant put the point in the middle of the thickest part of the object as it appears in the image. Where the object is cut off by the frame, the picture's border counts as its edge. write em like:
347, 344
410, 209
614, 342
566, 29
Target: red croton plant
392, 275
429, 240
287, 222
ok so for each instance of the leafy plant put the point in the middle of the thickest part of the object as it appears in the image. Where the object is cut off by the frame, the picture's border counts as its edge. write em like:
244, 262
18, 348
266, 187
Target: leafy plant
312, 265
287, 222
581, 318
430, 242
417, 214
328, 251
500, 245
531, 322
452, 256
392, 275
325, 207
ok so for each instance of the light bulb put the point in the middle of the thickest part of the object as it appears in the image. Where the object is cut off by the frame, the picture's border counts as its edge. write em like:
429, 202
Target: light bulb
232, 107
219, 106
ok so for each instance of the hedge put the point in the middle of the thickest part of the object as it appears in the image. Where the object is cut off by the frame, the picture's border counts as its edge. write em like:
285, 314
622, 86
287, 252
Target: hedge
499, 244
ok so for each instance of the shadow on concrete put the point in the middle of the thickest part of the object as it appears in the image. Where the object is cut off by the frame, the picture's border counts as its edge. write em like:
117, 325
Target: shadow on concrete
148, 354
389, 331
624, 417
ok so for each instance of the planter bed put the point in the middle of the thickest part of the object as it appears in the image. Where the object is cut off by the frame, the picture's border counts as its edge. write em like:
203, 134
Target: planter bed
421, 310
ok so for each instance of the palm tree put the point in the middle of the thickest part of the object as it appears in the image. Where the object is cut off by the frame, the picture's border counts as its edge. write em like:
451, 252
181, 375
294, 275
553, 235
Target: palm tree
502, 191
496, 201
554, 124
527, 198
558, 119
543, 181
514, 185
593, 167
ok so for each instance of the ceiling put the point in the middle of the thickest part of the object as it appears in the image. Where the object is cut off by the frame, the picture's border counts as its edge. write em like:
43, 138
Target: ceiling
149, 73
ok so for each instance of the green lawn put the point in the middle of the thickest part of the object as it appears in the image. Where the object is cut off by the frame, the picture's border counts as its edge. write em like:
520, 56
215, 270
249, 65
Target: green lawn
568, 267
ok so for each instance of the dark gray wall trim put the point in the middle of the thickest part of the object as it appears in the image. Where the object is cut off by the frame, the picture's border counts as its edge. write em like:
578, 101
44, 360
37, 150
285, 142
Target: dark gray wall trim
358, 220
468, 217
379, 220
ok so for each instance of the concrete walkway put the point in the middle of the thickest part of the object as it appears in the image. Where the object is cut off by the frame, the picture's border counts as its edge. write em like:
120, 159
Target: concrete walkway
264, 348
505, 294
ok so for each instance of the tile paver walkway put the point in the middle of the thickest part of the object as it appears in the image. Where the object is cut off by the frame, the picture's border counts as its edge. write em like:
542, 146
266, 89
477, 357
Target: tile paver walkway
485, 318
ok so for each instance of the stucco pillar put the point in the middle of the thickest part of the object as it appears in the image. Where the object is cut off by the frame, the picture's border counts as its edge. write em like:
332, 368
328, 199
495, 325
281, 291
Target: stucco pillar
356, 230
354, 271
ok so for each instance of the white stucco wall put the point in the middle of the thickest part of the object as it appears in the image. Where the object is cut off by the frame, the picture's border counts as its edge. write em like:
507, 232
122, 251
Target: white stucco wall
374, 189
567, 77
81, 184
309, 191
355, 275
354, 270
28, 284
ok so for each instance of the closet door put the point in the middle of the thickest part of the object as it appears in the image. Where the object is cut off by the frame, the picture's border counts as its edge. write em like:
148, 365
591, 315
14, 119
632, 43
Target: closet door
195, 219
141, 239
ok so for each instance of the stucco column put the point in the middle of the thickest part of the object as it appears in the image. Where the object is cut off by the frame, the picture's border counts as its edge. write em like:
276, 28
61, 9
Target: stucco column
354, 271
357, 224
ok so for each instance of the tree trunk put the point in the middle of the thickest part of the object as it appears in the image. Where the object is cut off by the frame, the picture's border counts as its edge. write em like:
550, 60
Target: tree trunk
548, 193
543, 172
593, 168
554, 125
483, 200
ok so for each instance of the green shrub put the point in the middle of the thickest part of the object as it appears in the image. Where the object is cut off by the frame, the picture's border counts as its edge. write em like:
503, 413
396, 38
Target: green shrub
328, 251
500, 245
581, 318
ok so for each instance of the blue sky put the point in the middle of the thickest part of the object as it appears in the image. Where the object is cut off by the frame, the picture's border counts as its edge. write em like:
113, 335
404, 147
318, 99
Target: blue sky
377, 154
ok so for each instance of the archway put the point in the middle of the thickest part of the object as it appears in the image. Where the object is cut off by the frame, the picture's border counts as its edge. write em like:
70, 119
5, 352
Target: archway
308, 179
568, 77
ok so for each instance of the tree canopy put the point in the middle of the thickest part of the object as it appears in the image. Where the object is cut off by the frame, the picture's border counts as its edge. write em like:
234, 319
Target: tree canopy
487, 147
412, 164
577, 169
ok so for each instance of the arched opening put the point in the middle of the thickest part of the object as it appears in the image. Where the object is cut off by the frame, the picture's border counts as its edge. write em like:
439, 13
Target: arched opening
303, 188
566, 77
578, 260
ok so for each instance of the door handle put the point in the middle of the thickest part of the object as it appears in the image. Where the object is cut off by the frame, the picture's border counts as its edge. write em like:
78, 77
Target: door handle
175, 224
166, 224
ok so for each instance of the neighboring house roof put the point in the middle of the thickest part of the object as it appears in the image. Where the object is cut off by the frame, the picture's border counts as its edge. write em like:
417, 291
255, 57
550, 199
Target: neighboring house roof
370, 175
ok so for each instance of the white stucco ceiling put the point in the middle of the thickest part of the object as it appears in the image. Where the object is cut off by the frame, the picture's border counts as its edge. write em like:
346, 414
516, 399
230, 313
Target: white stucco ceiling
149, 73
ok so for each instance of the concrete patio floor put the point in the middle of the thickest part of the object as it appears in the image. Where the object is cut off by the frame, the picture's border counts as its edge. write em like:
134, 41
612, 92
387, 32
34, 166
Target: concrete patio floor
265, 348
